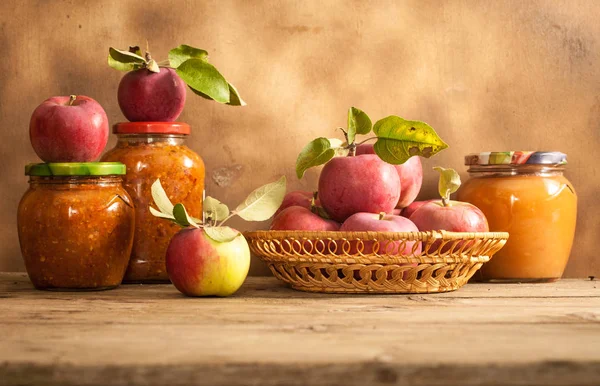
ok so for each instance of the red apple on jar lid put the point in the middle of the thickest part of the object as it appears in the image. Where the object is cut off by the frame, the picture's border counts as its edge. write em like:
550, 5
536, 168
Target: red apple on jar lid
145, 95
449, 215
68, 129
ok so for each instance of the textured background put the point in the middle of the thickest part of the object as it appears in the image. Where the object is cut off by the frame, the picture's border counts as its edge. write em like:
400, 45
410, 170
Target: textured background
487, 75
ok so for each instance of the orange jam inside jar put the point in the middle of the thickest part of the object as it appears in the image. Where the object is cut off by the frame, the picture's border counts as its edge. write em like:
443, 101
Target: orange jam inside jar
156, 150
526, 195
75, 225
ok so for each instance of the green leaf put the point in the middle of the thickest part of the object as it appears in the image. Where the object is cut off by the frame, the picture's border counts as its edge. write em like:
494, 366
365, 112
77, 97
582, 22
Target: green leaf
124, 60
161, 199
136, 50
317, 152
184, 52
263, 202
205, 78
358, 123
399, 139
234, 97
214, 209
182, 217
449, 181
156, 213
221, 234
153, 66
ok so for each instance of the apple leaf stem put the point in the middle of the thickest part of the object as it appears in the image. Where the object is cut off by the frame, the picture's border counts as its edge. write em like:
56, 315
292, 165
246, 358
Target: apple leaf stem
260, 205
449, 183
365, 141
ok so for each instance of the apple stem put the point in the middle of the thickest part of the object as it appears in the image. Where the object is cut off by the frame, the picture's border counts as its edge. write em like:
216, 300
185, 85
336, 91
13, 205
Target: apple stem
227, 218
72, 99
366, 140
313, 206
352, 149
445, 201
382, 215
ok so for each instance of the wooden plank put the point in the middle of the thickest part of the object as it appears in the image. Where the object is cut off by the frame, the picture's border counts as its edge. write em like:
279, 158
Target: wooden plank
270, 335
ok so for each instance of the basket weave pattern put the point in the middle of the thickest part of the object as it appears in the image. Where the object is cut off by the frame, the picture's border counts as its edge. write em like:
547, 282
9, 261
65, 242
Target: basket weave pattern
374, 262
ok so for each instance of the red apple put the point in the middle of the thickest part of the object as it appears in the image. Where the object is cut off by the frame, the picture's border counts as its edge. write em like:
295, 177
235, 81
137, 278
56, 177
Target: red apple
200, 266
297, 198
381, 223
364, 183
152, 96
410, 173
68, 129
454, 216
299, 218
409, 210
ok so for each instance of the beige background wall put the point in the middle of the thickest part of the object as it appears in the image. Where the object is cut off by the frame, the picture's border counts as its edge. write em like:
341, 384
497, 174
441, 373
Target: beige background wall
487, 75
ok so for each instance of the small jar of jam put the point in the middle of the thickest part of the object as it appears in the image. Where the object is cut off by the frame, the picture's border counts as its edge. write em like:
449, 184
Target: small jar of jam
525, 194
156, 150
75, 225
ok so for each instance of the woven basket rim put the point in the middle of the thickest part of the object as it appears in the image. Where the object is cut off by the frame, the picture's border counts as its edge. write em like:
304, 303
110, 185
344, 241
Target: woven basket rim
338, 235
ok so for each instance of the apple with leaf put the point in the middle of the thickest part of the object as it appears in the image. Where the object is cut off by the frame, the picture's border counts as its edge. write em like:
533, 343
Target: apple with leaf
156, 91
208, 258
447, 214
350, 183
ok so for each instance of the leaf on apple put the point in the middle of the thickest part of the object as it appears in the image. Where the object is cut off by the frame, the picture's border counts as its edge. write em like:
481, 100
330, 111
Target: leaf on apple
222, 234
399, 139
214, 209
161, 199
204, 78
125, 60
167, 216
358, 123
184, 52
263, 202
449, 182
317, 152
182, 217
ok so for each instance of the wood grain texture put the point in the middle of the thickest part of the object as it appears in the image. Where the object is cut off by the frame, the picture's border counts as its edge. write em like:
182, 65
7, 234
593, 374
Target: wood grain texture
488, 75
267, 334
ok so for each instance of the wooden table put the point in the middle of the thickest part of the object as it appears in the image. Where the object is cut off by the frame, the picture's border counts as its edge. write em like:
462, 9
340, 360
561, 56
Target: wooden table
267, 334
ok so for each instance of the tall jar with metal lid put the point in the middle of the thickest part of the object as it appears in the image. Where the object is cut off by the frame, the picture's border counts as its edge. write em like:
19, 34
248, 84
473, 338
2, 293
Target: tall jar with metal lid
525, 194
151, 151
75, 225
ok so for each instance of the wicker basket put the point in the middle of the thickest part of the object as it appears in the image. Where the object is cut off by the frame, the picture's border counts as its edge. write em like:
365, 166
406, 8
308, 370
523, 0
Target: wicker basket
374, 262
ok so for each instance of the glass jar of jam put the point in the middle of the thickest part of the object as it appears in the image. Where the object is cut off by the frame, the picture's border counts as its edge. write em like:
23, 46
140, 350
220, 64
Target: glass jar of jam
526, 195
156, 150
75, 225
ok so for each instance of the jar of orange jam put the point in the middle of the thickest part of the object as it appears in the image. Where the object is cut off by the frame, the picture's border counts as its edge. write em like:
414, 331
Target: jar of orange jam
156, 150
525, 194
75, 225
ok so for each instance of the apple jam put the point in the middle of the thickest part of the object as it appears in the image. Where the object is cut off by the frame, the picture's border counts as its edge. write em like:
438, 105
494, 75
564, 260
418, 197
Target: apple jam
75, 226
151, 151
526, 195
